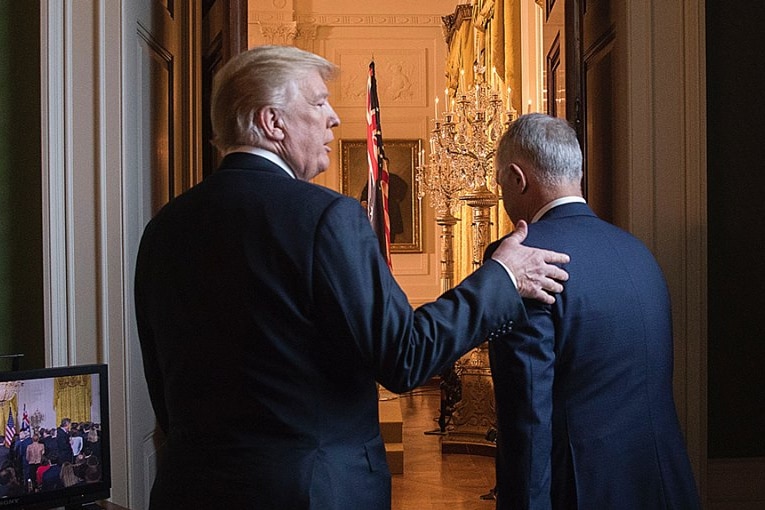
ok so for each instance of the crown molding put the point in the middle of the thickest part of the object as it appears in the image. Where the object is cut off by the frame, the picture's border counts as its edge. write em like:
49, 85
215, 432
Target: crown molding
345, 19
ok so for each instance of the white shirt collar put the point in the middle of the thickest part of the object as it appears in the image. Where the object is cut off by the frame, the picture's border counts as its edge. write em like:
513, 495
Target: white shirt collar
556, 203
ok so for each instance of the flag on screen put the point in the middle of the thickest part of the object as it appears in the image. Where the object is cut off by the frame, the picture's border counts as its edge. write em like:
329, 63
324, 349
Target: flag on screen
10, 430
25, 425
378, 179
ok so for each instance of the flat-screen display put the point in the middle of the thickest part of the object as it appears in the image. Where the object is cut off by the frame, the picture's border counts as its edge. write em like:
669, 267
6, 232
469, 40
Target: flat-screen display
55, 437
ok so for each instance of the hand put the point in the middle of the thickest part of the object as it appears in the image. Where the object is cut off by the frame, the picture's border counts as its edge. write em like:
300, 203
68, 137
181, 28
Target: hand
535, 274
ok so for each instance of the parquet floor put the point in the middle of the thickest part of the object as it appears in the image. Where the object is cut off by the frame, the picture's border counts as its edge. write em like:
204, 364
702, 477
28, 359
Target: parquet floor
432, 480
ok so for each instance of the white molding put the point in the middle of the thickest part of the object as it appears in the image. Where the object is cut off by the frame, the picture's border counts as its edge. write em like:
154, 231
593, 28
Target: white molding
55, 179
102, 197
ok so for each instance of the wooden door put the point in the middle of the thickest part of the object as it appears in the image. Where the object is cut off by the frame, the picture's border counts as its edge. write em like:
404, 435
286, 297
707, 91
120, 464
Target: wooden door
596, 109
580, 38
160, 137
224, 34
554, 37
163, 108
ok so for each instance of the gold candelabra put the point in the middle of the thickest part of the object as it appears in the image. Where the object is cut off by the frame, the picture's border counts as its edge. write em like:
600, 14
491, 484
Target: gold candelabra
440, 179
460, 166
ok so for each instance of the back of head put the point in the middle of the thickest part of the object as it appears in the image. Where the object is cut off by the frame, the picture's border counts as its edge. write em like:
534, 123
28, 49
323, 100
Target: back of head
546, 143
260, 77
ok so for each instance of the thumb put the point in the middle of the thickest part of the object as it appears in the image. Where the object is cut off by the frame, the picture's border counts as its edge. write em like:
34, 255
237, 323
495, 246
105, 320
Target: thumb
521, 231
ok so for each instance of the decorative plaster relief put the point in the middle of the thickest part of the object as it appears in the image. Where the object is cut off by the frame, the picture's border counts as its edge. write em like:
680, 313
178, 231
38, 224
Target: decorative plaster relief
269, 17
338, 20
341, 20
401, 76
279, 33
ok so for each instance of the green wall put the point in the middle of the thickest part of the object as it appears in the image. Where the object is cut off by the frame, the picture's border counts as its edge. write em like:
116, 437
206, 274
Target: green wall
21, 277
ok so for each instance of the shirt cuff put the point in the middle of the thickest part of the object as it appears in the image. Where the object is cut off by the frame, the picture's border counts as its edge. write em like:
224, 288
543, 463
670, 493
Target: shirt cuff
509, 273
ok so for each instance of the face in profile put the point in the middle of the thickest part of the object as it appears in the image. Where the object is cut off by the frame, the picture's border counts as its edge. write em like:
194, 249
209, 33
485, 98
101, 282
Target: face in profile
307, 123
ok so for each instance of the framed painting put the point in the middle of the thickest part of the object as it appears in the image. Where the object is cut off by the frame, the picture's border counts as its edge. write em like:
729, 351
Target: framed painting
403, 205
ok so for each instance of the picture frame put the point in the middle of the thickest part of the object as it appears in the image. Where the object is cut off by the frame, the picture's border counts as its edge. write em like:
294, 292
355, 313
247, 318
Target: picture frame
403, 204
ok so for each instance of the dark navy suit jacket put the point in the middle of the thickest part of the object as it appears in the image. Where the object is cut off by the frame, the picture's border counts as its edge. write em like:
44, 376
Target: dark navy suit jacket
584, 395
266, 316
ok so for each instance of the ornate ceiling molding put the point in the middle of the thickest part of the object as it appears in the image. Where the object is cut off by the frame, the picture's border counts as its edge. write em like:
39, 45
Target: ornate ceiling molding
452, 22
344, 19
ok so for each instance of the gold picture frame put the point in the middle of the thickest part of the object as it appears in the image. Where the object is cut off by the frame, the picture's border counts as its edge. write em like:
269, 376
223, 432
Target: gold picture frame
403, 205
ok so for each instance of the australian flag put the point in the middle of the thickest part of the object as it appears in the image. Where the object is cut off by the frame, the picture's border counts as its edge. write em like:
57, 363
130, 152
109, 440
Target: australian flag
379, 178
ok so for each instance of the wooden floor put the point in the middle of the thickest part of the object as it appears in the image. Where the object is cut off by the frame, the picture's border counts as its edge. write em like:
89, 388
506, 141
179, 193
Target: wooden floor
432, 480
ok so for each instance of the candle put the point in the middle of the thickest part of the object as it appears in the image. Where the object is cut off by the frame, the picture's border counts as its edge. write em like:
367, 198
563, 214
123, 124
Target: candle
446, 99
493, 78
509, 99
436, 107
462, 80
529, 110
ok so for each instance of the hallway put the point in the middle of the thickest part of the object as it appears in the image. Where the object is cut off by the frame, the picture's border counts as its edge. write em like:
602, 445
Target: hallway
431, 480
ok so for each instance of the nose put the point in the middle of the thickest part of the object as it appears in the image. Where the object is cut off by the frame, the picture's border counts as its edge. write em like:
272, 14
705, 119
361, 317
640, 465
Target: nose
334, 120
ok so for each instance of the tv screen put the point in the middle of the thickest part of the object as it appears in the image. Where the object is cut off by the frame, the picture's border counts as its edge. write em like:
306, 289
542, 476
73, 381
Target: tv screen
55, 437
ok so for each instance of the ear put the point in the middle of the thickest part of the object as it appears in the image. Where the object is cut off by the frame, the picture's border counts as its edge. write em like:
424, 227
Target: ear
518, 178
271, 121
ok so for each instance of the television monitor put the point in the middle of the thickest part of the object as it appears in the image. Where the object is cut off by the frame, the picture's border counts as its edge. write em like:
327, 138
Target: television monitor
66, 409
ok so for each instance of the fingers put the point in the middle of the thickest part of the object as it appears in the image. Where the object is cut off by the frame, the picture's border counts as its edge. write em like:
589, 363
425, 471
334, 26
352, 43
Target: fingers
552, 286
541, 283
553, 257
537, 272
557, 273
543, 297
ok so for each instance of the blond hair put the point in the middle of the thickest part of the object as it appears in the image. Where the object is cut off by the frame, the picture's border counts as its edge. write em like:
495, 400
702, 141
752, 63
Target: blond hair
261, 77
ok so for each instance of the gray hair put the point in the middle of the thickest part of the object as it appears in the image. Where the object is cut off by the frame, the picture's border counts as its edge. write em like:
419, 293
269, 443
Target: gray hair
546, 143
257, 78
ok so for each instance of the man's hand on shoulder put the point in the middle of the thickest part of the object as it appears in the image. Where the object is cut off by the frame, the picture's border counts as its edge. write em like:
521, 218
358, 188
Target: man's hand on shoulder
535, 272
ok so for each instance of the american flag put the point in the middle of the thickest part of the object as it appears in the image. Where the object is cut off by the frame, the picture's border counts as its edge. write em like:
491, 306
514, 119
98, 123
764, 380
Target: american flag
10, 430
377, 186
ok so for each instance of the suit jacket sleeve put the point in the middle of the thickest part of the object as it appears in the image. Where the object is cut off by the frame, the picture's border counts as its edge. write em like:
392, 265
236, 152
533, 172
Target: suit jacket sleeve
523, 371
359, 299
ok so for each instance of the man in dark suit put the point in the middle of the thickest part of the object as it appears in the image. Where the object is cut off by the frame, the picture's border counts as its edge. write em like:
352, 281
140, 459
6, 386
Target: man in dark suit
63, 443
583, 388
267, 314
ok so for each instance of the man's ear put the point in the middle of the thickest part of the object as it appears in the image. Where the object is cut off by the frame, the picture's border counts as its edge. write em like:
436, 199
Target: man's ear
271, 121
518, 178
